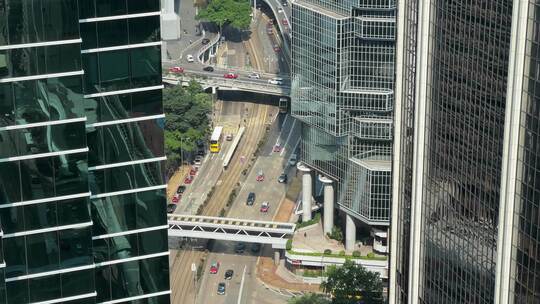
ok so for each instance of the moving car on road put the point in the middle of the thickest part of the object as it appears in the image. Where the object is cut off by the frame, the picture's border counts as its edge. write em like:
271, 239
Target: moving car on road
221, 288
229, 274
250, 199
254, 75
176, 197
190, 58
176, 70
171, 208
275, 80
282, 179
229, 137
276, 48
198, 160
264, 207
277, 148
188, 179
205, 41
293, 160
230, 76
193, 171
284, 22
214, 267
208, 69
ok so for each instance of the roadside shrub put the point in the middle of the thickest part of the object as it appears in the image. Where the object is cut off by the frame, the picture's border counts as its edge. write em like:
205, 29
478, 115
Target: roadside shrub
371, 255
327, 251
336, 234
342, 253
288, 245
356, 254
222, 212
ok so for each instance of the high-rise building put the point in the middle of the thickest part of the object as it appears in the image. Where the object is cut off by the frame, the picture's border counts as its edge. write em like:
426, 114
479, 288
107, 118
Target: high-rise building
466, 222
82, 197
343, 94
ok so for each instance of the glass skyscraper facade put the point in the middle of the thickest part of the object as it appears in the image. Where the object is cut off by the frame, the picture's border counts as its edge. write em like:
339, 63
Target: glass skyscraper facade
82, 196
343, 93
465, 225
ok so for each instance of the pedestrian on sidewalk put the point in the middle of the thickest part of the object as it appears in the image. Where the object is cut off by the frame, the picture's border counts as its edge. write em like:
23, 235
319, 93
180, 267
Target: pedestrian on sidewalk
305, 234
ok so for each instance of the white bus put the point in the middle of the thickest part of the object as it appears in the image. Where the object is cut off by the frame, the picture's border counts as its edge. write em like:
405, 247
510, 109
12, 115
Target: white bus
215, 140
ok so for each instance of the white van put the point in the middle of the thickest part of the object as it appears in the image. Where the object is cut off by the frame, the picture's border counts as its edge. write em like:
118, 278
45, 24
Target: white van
293, 160
190, 58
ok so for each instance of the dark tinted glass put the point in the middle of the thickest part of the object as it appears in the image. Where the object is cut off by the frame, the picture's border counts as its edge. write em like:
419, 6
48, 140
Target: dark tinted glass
155, 282
45, 288
91, 72
145, 66
75, 247
37, 177
112, 33
146, 103
60, 19
149, 140
17, 291
143, 6
113, 214
71, 174
63, 58
10, 140
12, 219
110, 8
39, 216
87, 9
3, 25
67, 136
103, 283
114, 70
76, 283
43, 252
153, 242
101, 250
10, 181
119, 139
114, 107
151, 208
28, 105
144, 29
73, 211
94, 140
123, 247
88, 35
7, 104
148, 174
15, 256
66, 96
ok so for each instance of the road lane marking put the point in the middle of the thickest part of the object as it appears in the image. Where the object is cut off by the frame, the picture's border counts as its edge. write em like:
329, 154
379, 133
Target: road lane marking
241, 286
289, 136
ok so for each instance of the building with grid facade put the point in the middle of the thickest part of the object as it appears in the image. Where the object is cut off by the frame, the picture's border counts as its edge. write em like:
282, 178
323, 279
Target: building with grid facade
82, 196
343, 93
466, 221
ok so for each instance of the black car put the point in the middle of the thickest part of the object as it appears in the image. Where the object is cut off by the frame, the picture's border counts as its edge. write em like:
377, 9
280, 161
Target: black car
255, 247
239, 248
282, 178
229, 274
200, 153
181, 189
221, 288
250, 199
205, 41
171, 208
208, 69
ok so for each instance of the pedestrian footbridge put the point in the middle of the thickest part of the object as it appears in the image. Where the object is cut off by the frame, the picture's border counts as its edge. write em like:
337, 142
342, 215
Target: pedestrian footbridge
230, 229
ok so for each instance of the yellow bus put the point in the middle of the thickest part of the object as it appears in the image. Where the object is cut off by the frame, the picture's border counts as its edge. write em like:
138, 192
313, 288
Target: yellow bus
215, 140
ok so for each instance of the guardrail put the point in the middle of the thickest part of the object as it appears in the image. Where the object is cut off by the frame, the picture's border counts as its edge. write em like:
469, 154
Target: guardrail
206, 47
235, 142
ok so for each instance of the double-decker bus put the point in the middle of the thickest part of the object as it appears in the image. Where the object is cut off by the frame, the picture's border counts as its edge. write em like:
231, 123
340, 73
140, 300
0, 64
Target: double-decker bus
283, 104
215, 140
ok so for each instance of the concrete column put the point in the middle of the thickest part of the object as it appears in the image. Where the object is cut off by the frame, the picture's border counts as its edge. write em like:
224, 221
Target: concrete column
328, 220
306, 191
277, 256
350, 233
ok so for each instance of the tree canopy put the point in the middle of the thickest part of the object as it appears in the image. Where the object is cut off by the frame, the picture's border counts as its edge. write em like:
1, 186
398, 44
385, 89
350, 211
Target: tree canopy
352, 284
235, 13
187, 121
310, 298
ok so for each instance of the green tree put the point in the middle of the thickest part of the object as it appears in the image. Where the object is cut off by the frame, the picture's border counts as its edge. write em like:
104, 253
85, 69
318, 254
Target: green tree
235, 13
187, 120
310, 298
352, 284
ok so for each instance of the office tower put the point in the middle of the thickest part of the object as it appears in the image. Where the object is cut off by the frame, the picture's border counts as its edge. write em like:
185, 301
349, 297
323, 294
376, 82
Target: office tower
82, 201
343, 92
465, 212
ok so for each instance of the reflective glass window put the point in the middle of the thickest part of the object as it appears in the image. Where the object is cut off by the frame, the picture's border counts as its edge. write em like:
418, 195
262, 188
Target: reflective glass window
113, 214
114, 70
38, 216
151, 208
114, 107
4, 68
36, 141
112, 33
153, 242
3, 25
29, 104
91, 72
103, 283
25, 24
119, 139
144, 29
146, 103
154, 274
37, 178
43, 252
76, 283
143, 6
87, 9
10, 140
12, 219
145, 66
10, 181
45, 288
64, 96
101, 250
27, 61
94, 138
110, 8
67, 136
88, 34
148, 139
7, 104
73, 211
75, 247
60, 19
17, 291
148, 174
127, 271
63, 58
15, 256
124, 246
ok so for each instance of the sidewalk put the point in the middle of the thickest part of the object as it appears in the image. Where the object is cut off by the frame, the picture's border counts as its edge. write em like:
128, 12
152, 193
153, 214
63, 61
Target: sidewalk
176, 180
